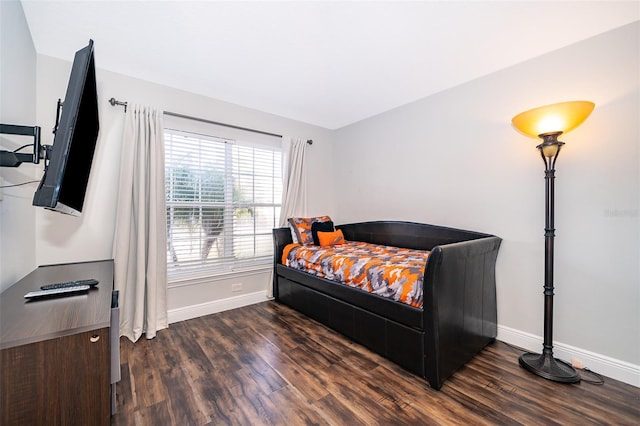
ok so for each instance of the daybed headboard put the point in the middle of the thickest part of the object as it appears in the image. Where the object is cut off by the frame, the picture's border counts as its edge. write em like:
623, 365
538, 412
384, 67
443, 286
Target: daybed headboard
417, 236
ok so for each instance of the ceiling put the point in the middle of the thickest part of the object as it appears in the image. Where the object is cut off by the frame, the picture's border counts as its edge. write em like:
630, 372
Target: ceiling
328, 63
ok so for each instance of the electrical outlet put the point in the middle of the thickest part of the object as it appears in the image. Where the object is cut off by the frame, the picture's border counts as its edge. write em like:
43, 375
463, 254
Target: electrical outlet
576, 363
236, 287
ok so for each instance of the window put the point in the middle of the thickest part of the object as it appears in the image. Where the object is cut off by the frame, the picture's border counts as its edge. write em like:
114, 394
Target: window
223, 200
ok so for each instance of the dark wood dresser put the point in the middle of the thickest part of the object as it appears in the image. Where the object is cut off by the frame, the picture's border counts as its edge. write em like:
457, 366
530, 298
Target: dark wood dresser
55, 353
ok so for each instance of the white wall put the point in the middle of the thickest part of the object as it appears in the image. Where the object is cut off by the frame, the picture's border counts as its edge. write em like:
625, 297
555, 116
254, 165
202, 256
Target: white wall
17, 106
454, 159
62, 238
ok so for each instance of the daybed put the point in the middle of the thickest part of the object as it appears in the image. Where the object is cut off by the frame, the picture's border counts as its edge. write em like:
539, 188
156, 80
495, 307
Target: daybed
458, 314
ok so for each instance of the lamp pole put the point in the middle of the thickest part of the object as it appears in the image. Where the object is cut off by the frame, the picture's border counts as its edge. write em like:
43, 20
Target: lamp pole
545, 365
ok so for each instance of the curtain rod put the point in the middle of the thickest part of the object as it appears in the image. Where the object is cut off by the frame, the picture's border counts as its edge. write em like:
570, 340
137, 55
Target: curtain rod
115, 102
204, 120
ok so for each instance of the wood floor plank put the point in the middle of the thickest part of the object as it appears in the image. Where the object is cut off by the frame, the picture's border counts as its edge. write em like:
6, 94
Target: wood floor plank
496, 396
255, 353
266, 364
124, 395
296, 408
125, 404
337, 412
221, 403
185, 407
147, 386
156, 414
214, 342
209, 395
195, 362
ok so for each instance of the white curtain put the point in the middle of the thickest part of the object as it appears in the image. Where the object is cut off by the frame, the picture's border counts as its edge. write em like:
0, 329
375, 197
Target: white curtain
294, 185
140, 242
294, 179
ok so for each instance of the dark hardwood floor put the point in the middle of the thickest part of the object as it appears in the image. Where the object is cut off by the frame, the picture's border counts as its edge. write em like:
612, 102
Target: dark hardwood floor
267, 364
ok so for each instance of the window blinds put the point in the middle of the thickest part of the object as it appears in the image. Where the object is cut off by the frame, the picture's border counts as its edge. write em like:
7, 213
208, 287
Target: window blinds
223, 200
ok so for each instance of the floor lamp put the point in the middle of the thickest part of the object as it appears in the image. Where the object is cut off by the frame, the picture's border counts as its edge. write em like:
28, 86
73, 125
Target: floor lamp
548, 122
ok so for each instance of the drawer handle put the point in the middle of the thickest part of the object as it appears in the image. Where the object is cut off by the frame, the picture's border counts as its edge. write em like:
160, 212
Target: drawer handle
94, 338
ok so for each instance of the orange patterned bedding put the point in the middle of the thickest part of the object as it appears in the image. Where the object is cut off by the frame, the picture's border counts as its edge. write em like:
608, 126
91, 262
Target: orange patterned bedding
392, 272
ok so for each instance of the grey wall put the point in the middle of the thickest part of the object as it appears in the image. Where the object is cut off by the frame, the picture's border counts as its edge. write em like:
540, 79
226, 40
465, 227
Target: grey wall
17, 106
454, 159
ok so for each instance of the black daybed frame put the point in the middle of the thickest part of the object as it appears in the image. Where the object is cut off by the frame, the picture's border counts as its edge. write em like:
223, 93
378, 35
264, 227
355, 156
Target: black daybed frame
458, 318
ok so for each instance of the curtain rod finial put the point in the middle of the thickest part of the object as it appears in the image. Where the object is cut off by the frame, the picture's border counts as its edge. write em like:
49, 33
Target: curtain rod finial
114, 102
310, 141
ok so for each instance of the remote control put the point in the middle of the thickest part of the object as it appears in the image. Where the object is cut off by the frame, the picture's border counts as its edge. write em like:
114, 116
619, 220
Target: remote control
90, 282
56, 291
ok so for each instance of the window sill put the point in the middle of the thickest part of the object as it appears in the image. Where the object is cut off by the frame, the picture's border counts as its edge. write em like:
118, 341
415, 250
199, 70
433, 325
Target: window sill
183, 281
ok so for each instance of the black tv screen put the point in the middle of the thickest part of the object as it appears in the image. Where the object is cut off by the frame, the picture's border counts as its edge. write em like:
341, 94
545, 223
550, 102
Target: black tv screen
64, 184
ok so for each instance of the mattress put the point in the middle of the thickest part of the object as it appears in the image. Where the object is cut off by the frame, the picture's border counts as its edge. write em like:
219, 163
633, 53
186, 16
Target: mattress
391, 272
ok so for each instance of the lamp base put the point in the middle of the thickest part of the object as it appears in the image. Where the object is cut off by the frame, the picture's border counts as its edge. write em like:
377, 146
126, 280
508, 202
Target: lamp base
545, 365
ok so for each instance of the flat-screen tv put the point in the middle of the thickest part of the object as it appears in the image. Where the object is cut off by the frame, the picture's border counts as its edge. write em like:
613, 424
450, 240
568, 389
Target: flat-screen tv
66, 175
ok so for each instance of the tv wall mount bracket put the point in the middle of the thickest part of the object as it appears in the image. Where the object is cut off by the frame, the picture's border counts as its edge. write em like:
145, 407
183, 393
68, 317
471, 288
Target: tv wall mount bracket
14, 158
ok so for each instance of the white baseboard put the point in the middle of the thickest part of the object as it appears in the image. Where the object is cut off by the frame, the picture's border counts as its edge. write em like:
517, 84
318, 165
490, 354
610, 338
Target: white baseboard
208, 308
602, 364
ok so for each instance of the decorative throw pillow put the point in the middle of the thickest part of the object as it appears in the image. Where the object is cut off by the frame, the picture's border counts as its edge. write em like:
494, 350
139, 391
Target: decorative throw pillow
294, 234
331, 238
302, 227
320, 226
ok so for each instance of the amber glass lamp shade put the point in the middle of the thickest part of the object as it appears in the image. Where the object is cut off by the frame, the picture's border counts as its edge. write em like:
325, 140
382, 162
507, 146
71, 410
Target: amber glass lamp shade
556, 118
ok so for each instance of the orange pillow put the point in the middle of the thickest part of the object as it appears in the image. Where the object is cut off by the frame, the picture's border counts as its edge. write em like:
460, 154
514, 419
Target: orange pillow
331, 238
